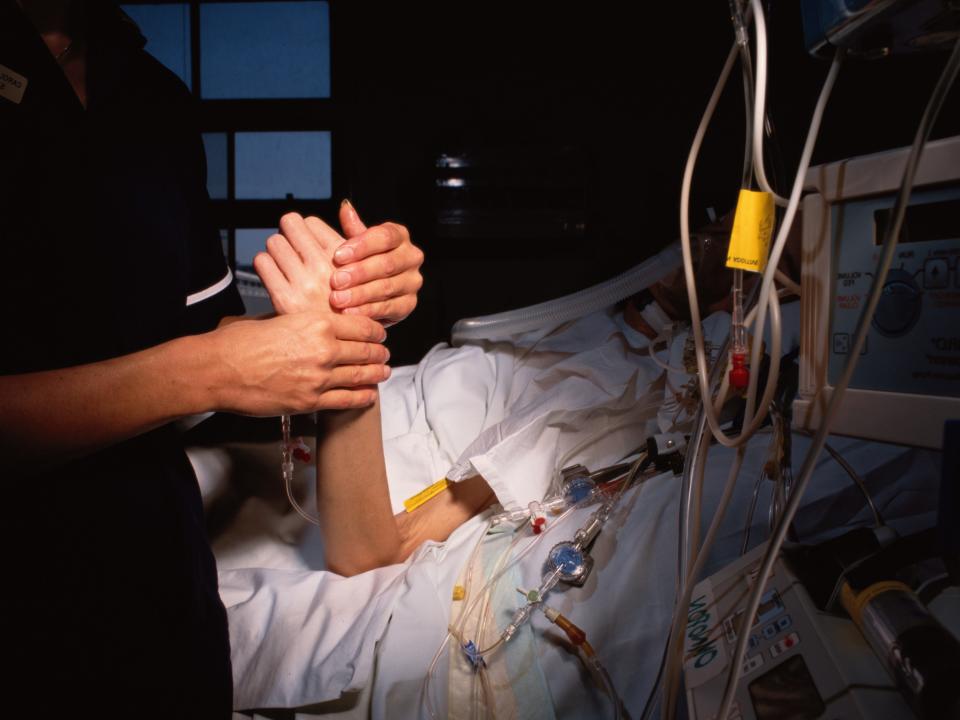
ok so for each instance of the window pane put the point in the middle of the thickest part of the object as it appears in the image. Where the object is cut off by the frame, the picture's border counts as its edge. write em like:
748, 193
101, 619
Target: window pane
215, 145
250, 241
271, 165
167, 29
265, 50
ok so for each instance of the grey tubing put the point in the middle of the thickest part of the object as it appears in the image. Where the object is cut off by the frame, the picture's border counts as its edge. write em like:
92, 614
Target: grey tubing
568, 307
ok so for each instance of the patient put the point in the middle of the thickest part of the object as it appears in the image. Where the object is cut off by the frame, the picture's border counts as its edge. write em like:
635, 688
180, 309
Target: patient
360, 523
497, 417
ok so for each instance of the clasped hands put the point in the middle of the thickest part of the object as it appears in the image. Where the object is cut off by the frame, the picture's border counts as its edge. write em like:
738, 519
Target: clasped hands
334, 296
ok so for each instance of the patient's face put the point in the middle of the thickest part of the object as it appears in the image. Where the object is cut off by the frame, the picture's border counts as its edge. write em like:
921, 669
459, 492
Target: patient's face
713, 278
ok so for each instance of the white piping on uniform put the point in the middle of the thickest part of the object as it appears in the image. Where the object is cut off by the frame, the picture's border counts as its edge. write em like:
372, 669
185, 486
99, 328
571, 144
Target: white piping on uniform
212, 290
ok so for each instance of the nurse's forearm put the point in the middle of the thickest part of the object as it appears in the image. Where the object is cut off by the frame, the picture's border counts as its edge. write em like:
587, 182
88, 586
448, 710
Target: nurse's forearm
353, 501
49, 417
292, 364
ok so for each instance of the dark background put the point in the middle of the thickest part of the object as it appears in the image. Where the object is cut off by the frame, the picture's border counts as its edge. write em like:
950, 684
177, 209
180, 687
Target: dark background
576, 122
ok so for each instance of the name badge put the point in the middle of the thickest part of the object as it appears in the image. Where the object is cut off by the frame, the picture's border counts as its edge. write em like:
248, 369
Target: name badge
12, 84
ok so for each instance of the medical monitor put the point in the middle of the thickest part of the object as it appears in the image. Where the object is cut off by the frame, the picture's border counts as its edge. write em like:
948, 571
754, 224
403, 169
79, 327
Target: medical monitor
907, 381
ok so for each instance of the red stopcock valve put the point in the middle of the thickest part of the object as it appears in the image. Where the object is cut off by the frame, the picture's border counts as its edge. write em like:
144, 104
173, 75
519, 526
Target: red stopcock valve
301, 451
739, 374
538, 519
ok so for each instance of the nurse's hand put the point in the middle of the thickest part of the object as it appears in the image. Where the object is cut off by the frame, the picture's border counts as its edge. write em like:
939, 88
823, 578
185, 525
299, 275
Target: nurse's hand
377, 270
297, 364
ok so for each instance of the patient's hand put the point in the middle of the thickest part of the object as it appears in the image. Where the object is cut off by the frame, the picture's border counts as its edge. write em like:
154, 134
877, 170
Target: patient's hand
297, 266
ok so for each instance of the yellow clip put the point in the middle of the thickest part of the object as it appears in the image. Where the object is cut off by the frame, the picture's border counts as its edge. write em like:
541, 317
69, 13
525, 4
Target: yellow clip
412, 503
459, 593
752, 228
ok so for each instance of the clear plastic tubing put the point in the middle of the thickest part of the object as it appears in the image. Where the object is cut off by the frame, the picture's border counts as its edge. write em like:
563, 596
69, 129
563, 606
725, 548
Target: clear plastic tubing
739, 374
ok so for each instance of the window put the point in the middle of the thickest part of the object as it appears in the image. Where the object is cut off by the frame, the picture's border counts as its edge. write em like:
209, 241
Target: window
282, 165
264, 50
250, 241
262, 72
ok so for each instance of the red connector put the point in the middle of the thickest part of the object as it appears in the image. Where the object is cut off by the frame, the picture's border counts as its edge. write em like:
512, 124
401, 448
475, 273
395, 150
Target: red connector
739, 374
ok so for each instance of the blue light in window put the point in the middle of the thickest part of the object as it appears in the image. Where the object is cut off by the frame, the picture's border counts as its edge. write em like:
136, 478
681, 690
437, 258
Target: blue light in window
249, 242
265, 50
167, 29
215, 145
277, 165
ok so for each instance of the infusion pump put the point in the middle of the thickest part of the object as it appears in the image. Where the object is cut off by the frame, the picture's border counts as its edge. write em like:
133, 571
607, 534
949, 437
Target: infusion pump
907, 380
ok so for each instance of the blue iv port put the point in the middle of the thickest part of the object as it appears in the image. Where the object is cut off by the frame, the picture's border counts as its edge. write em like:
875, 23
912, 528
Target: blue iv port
567, 559
578, 489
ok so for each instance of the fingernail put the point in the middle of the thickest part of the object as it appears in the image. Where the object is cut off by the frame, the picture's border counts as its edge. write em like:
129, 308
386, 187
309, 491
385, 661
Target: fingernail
346, 201
387, 359
343, 254
340, 297
386, 372
341, 278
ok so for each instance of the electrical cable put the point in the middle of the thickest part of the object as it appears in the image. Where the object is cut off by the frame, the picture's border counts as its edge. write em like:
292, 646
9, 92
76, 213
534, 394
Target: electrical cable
663, 365
852, 473
675, 658
752, 422
742, 39
767, 299
759, 102
750, 511
776, 252
857, 480
698, 448
787, 282
890, 243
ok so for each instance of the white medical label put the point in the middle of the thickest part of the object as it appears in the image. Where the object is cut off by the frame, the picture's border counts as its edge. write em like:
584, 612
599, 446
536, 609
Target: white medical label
12, 84
704, 653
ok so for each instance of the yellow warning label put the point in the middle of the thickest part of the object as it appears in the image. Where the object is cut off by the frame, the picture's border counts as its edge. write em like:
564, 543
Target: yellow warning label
412, 503
752, 228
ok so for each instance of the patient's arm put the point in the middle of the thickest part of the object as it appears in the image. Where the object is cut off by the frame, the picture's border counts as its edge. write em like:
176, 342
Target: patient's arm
359, 529
443, 513
359, 532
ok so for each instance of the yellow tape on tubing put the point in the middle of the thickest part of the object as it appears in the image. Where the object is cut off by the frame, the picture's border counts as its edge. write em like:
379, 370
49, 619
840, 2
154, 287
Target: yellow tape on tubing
752, 229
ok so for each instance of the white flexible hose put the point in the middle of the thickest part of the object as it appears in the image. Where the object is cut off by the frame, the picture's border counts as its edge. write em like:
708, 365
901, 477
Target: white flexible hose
568, 307
760, 102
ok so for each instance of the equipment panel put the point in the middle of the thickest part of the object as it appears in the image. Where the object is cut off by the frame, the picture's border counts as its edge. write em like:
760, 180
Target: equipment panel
914, 340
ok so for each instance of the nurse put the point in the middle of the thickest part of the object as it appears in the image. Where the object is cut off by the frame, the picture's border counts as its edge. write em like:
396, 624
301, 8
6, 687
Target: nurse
120, 318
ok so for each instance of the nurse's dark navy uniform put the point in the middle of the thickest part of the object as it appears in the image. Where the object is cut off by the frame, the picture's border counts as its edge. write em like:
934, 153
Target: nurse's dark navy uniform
110, 592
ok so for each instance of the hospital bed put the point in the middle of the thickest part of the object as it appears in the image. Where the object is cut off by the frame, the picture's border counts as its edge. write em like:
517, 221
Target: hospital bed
317, 644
